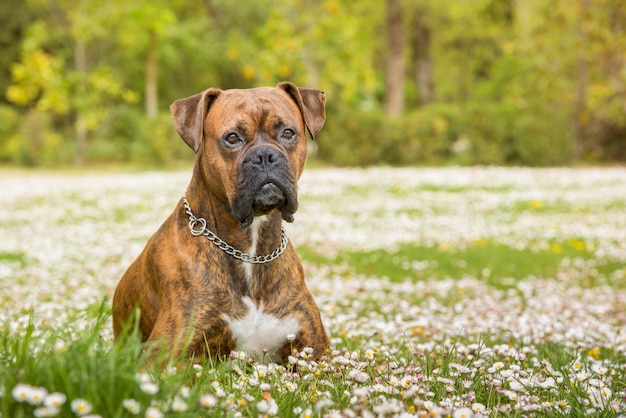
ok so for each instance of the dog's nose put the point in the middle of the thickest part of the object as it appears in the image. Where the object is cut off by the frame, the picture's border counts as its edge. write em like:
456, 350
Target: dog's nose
264, 157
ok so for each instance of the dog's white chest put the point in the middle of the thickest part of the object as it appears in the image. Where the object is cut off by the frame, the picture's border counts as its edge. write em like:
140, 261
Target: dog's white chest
258, 333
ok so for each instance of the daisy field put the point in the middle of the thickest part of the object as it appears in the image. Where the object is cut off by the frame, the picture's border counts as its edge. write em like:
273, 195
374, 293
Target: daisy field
460, 292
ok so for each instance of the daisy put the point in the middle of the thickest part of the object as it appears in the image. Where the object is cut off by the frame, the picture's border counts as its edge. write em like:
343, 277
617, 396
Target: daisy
262, 406
406, 381
81, 407
360, 393
463, 413
270, 407
273, 409
208, 401
22, 392
495, 367
605, 392
55, 400
307, 350
131, 406
184, 391
179, 405
143, 377
379, 387
599, 370
46, 411
198, 370
149, 388
260, 370
580, 376
478, 407
511, 395
153, 412
563, 406
428, 405
360, 377
37, 396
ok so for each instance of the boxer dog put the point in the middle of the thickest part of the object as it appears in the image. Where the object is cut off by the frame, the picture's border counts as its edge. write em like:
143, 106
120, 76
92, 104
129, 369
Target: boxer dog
220, 273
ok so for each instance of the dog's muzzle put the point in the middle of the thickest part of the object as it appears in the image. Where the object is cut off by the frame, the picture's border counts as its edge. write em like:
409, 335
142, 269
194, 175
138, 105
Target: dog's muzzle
265, 182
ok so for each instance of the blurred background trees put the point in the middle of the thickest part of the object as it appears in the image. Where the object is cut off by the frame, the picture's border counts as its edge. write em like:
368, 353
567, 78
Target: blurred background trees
408, 81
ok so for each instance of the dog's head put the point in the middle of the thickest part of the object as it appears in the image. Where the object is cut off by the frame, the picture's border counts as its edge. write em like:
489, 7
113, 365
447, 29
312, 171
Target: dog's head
251, 144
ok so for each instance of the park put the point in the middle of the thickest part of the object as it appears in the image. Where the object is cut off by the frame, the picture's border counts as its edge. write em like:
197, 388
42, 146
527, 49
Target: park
460, 219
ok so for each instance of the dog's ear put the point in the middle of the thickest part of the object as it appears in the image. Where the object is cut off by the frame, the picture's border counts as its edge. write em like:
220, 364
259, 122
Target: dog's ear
189, 114
312, 104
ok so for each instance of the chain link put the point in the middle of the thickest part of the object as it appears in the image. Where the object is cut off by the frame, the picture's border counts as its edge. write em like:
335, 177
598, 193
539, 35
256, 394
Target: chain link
197, 227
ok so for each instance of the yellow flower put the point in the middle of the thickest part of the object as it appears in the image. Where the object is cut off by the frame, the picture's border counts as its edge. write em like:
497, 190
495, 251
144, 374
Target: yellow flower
595, 353
556, 248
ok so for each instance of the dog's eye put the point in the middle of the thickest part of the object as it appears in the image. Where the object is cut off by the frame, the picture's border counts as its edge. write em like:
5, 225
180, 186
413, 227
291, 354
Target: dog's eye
232, 139
288, 135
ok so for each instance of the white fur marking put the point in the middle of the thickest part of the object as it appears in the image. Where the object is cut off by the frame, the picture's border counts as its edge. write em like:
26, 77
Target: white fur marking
258, 332
254, 237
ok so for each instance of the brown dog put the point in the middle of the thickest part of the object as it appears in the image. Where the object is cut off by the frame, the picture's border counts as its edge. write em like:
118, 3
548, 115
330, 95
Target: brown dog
242, 288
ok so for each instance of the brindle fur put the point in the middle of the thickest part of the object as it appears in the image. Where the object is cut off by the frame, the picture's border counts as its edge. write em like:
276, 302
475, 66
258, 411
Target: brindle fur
180, 279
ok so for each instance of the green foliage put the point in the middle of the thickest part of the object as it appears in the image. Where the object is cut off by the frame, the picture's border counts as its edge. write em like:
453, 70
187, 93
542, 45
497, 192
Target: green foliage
438, 134
507, 135
31, 140
10, 121
515, 83
352, 137
427, 135
128, 136
356, 137
14, 19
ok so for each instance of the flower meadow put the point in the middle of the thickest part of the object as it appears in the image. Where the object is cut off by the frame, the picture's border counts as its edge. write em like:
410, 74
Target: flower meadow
446, 292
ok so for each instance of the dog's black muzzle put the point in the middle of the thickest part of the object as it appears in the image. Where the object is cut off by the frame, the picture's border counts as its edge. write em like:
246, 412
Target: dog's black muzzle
265, 182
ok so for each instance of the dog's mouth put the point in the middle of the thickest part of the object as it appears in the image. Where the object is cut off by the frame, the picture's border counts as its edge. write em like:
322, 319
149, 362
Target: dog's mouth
269, 197
265, 182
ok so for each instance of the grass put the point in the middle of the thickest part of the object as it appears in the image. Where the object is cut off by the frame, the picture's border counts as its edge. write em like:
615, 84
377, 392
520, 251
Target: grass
107, 376
500, 319
13, 258
499, 265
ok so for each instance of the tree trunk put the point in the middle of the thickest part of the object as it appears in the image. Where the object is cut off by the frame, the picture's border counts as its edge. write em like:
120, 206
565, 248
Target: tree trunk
215, 14
394, 95
151, 95
80, 64
580, 115
422, 62
581, 118
313, 71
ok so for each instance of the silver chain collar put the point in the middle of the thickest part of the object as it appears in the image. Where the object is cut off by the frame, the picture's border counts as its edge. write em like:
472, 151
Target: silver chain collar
197, 227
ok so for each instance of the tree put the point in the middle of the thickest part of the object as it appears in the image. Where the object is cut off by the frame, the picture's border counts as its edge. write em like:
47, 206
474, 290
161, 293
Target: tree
324, 44
74, 83
14, 19
67, 82
509, 76
148, 21
584, 75
421, 44
395, 63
